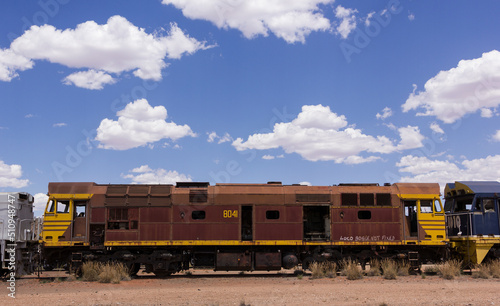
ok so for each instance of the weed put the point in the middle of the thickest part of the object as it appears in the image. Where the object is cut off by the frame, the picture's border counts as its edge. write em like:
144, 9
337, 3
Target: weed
482, 271
389, 268
431, 270
494, 267
374, 268
105, 273
300, 276
450, 269
71, 278
351, 270
404, 268
316, 270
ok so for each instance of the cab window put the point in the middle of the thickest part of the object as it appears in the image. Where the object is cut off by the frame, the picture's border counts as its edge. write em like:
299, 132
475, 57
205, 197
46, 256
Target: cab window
62, 206
489, 205
51, 206
426, 206
437, 206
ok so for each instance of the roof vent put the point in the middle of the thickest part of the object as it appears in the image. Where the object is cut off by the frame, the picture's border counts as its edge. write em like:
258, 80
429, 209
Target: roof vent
274, 183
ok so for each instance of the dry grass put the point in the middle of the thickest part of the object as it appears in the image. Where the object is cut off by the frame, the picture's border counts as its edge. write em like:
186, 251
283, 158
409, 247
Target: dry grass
323, 269
105, 272
375, 268
450, 269
494, 267
403, 268
389, 268
351, 270
431, 270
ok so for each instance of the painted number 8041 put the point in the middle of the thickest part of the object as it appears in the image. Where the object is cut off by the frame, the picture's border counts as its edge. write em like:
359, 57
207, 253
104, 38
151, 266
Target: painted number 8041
230, 213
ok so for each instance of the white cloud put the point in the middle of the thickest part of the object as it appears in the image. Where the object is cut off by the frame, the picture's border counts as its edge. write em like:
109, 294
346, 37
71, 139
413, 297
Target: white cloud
268, 157
348, 21
212, 137
305, 183
62, 124
411, 16
291, 20
10, 63
139, 124
10, 176
114, 47
423, 169
386, 113
319, 134
436, 128
487, 113
146, 175
90, 79
29, 116
471, 86
40, 203
368, 18
496, 136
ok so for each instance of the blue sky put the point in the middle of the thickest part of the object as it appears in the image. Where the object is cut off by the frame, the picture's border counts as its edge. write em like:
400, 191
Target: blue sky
227, 91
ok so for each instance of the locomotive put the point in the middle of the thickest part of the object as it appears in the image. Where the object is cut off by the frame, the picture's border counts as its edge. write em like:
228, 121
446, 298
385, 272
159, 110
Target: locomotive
248, 227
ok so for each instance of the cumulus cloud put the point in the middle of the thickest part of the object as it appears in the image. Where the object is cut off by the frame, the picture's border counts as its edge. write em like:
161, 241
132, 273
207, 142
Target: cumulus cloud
139, 124
10, 176
386, 113
90, 79
369, 18
10, 63
496, 136
62, 124
145, 175
348, 20
436, 128
40, 203
471, 86
291, 20
423, 169
319, 134
212, 137
114, 47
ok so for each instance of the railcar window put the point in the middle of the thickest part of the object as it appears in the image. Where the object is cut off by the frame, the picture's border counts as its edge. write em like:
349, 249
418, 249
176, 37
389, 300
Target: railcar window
349, 199
477, 206
366, 199
272, 214
448, 205
489, 205
437, 206
364, 214
463, 203
383, 199
51, 205
62, 206
426, 206
198, 215
80, 208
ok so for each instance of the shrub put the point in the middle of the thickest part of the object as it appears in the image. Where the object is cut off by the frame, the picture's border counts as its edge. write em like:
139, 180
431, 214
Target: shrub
351, 270
317, 270
91, 271
431, 270
105, 273
389, 269
482, 271
403, 268
450, 269
374, 268
494, 267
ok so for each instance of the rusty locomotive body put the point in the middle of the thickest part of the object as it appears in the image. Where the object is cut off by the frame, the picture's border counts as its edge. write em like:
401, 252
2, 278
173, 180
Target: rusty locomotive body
245, 227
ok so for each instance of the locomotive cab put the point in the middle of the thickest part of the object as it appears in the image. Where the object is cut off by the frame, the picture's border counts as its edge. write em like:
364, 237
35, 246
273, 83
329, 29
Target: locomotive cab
472, 222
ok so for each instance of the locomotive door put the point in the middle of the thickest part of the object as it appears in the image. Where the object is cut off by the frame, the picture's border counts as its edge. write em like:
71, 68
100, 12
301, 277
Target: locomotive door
410, 222
246, 223
80, 220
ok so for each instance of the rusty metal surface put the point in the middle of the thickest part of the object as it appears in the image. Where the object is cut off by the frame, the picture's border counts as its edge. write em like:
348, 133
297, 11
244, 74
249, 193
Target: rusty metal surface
71, 188
416, 188
154, 231
234, 261
98, 215
378, 214
121, 235
205, 231
267, 261
155, 214
278, 231
366, 232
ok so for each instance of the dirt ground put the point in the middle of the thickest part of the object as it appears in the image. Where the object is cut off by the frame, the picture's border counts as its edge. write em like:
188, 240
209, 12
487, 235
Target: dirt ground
272, 288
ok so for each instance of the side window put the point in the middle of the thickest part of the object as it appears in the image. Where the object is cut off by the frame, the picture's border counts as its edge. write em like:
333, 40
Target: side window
198, 215
63, 207
477, 206
437, 206
426, 206
349, 199
51, 206
80, 208
272, 214
364, 215
489, 205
